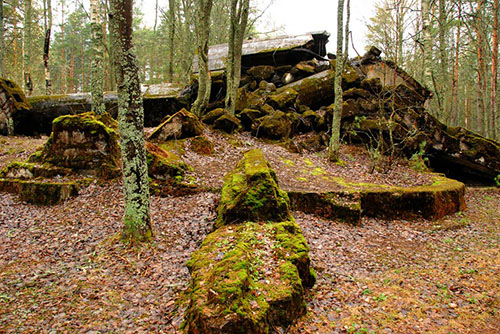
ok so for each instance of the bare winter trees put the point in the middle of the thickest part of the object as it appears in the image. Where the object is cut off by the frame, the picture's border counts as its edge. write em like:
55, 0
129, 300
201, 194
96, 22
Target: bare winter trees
451, 47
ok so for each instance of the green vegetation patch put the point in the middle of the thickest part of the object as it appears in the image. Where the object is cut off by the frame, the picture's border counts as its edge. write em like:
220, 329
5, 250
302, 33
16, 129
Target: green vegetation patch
248, 278
251, 193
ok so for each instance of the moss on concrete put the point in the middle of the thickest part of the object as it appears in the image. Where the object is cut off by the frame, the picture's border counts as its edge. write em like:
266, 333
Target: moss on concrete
251, 193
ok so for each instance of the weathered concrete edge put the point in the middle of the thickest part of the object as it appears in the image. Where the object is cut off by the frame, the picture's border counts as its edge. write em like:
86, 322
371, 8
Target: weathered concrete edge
37, 192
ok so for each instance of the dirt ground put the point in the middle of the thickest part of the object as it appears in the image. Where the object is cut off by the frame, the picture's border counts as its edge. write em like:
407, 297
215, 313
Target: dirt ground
62, 269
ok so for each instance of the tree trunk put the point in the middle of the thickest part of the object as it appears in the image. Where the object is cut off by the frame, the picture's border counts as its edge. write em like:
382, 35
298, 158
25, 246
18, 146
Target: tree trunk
46, 45
63, 54
426, 28
454, 84
2, 43
136, 218
97, 70
171, 35
28, 83
443, 62
481, 112
494, 74
202, 28
334, 145
238, 24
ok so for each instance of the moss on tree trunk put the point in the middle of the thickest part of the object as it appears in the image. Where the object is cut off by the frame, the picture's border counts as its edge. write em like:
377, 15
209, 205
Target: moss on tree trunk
136, 218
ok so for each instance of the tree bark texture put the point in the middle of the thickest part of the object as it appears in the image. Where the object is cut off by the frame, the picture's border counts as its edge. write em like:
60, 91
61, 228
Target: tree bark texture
426, 28
97, 67
46, 46
334, 145
136, 218
238, 24
481, 112
494, 125
28, 83
202, 29
171, 36
2, 43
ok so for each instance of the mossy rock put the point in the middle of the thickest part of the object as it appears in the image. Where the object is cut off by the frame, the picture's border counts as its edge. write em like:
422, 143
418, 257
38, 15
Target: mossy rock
248, 278
40, 192
182, 124
202, 145
227, 123
247, 116
163, 164
309, 121
246, 99
13, 90
84, 144
262, 72
251, 193
283, 99
27, 171
212, 115
277, 125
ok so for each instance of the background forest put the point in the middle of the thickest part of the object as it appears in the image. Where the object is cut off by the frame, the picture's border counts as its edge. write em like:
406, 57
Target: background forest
450, 46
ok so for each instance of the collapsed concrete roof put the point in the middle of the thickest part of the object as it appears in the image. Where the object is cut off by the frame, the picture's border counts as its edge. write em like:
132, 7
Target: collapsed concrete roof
283, 50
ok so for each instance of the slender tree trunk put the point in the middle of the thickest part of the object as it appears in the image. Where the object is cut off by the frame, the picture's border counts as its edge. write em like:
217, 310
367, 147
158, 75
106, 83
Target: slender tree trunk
494, 74
171, 36
97, 70
2, 42
238, 24
454, 83
481, 112
443, 61
63, 54
46, 45
334, 145
426, 29
202, 29
28, 83
136, 218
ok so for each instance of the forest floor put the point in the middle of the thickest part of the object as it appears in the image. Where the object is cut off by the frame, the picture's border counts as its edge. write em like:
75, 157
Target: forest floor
63, 270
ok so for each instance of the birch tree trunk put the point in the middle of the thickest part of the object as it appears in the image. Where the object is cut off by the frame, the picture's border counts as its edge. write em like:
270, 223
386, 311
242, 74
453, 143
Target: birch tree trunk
28, 83
426, 29
238, 24
171, 36
136, 218
202, 29
97, 66
334, 145
46, 45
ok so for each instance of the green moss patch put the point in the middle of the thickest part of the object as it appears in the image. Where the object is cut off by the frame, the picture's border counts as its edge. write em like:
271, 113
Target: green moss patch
251, 193
83, 143
248, 278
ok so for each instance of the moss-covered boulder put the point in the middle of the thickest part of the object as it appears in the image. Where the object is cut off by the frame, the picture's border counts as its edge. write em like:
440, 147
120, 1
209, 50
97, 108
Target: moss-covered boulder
261, 72
247, 116
202, 145
249, 275
227, 123
27, 171
283, 99
248, 278
277, 125
247, 99
212, 115
182, 124
251, 193
83, 143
